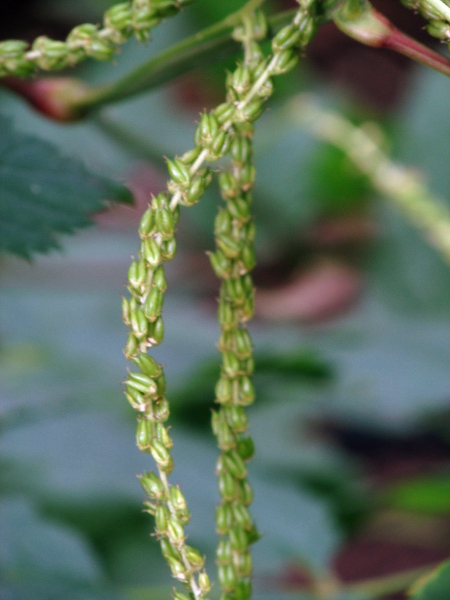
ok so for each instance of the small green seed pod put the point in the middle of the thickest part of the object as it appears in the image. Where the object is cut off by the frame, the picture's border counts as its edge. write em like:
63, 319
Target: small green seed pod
177, 499
144, 435
219, 146
242, 346
228, 184
136, 400
131, 347
224, 555
227, 576
161, 410
52, 54
161, 456
247, 260
243, 590
153, 486
147, 382
241, 516
168, 249
222, 223
178, 569
194, 557
246, 492
241, 150
162, 517
148, 365
236, 417
243, 564
175, 532
241, 79
168, 549
229, 246
162, 435
247, 392
238, 538
227, 317
153, 304
224, 518
223, 390
235, 465
224, 112
286, 38
220, 263
156, 332
246, 448
284, 61
203, 582
151, 252
181, 596
230, 364
228, 487
138, 324
179, 172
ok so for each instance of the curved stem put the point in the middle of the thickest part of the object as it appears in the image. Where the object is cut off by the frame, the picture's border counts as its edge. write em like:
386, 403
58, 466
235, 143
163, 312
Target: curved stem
200, 49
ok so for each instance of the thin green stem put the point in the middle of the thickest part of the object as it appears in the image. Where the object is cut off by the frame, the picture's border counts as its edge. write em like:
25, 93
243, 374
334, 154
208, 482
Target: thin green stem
389, 584
201, 49
402, 186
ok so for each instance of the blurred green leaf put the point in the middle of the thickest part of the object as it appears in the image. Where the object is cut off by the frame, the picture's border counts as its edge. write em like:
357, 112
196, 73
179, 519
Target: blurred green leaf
424, 494
45, 194
435, 586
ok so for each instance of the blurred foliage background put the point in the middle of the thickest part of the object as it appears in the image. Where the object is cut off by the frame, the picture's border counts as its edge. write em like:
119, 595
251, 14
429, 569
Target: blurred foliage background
352, 423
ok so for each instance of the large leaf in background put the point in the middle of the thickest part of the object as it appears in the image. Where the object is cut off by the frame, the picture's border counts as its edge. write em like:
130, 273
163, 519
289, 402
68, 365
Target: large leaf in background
44, 193
434, 587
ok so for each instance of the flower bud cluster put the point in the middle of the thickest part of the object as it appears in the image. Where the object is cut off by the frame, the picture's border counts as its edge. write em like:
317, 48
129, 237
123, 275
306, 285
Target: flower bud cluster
120, 22
437, 26
145, 385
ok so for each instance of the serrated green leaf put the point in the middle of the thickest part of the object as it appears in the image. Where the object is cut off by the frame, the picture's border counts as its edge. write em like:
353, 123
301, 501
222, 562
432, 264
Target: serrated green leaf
44, 193
435, 586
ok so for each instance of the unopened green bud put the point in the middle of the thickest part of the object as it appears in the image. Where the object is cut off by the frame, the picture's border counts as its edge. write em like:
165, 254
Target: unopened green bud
125, 311
229, 246
227, 317
148, 365
246, 394
151, 252
286, 38
238, 538
228, 184
222, 223
228, 489
439, 29
204, 583
153, 486
178, 569
161, 410
144, 435
251, 111
161, 456
224, 112
138, 324
225, 437
131, 347
241, 79
247, 175
153, 304
136, 400
243, 564
156, 332
227, 576
175, 532
247, 260
246, 492
181, 596
136, 274
207, 130
243, 590
162, 517
165, 223
144, 18
190, 156
168, 550
179, 172
243, 343
223, 390
53, 54
168, 249
149, 385
230, 364
224, 554
194, 557
219, 146
241, 149
235, 464
162, 435
224, 518
236, 418
285, 61
177, 499
220, 263
119, 17
242, 516
161, 384
246, 448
